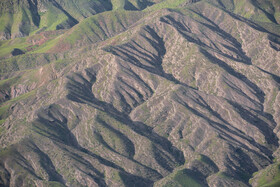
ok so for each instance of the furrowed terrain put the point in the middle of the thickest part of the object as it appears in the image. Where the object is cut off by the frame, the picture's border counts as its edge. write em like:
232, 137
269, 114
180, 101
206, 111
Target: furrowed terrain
140, 93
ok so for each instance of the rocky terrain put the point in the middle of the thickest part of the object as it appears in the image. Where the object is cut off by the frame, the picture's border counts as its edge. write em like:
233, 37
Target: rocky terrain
140, 93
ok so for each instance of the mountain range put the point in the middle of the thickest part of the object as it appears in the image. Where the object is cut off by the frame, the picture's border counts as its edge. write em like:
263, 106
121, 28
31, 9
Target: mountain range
140, 93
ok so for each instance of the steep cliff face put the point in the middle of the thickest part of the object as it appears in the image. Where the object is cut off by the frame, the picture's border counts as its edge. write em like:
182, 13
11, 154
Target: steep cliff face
181, 93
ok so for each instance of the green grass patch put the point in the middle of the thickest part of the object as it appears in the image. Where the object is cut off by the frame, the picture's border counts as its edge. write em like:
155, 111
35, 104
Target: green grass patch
51, 18
8, 46
62, 63
275, 183
223, 175
4, 111
241, 6
53, 184
26, 61
1, 122
7, 151
270, 176
272, 100
100, 27
23, 96
183, 178
2, 129
6, 83
6, 21
164, 4
4, 108
118, 4
46, 46
89, 28
204, 159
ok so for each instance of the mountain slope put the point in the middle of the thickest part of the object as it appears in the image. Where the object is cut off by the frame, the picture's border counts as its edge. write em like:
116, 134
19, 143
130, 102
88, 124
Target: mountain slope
182, 93
24, 18
21, 18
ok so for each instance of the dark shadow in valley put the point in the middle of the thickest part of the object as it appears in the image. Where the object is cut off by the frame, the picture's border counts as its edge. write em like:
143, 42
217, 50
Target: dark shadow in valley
129, 146
191, 37
99, 177
53, 125
55, 128
84, 95
33, 6
253, 119
71, 20
47, 164
191, 175
250, 23
21, 161
240, 164
226, 129
5, 178
258, 92
133, 53
276, 78
154, 69
135, 181
270, 16
274, 42
204, 165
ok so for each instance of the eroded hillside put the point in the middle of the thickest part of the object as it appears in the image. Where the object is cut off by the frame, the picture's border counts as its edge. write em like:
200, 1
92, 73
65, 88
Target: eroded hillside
168, 93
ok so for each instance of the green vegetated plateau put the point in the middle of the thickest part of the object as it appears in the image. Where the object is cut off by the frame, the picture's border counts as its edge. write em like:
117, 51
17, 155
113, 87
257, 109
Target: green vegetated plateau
139, 93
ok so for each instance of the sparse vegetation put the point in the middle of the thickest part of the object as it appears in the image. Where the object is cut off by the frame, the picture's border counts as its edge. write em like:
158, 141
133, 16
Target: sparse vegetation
269, 177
